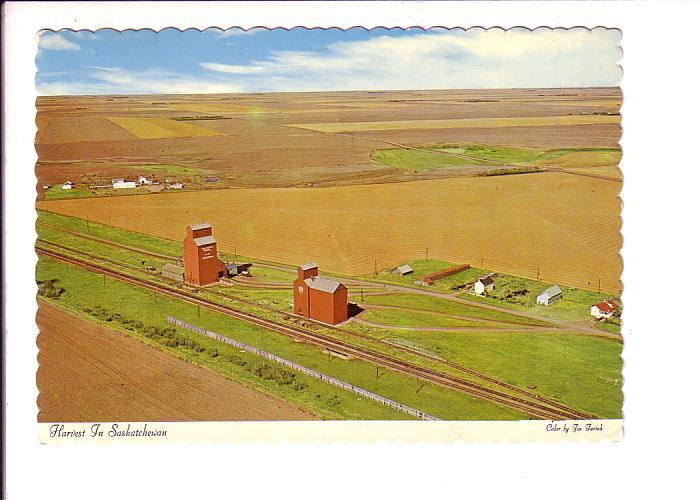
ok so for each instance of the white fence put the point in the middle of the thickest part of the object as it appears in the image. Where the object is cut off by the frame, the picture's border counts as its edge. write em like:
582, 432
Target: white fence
312, 373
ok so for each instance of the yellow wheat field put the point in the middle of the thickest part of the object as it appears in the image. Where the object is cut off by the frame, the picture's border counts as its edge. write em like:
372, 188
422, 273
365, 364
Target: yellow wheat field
566, 228
160, 128
536, 121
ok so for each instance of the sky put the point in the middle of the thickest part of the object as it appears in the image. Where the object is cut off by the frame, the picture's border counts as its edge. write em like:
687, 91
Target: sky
260, 60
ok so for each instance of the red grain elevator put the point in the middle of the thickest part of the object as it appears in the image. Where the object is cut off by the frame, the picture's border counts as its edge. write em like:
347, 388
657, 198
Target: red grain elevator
319, 298
202, 266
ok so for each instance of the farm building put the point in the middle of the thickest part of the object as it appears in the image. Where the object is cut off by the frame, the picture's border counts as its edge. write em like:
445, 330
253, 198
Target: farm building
550, 295
122, 184
319, 298
67, 185
431, 278
238, 269
144, 181
403, 270
173, 271
604, 310
176, 185
484, 284
202, 266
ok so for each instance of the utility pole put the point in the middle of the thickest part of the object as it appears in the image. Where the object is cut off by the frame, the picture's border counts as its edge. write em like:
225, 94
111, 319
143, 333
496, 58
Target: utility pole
198, 312
104, 279
598, 285
482, 263
87, 224
375, 267
538, 273
362, 294
426, 253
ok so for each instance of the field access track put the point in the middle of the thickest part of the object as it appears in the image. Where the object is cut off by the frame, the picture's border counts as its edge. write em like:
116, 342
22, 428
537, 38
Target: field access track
537, 409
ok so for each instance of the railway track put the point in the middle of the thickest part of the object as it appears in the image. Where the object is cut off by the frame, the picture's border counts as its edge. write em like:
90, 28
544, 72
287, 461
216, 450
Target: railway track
537, 408
421, 354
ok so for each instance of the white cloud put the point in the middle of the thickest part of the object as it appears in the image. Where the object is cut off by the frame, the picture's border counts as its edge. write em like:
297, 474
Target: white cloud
476, 58
113, 80
54, 41
455, 59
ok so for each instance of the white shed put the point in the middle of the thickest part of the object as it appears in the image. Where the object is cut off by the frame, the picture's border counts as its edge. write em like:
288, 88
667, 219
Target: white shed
67, 185
550, 295
122, 184
403, 270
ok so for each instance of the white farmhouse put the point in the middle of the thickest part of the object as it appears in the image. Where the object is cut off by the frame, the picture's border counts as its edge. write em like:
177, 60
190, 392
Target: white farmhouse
483, 285
67, 185
550, 295
604, 310
144, 181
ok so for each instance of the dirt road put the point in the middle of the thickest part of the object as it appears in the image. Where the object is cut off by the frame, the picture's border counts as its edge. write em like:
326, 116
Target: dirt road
91, 373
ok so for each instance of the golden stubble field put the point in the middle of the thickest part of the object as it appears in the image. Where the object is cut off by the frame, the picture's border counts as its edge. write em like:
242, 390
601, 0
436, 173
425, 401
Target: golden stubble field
566, 227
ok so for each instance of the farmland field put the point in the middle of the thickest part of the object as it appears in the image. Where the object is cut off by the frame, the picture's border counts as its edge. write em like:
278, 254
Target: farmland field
86, 374
460, 123
252, 141
514, 223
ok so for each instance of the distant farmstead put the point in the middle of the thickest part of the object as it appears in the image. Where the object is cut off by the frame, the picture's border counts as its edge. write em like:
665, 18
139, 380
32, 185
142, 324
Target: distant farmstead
67, 185
604, 310
550, 295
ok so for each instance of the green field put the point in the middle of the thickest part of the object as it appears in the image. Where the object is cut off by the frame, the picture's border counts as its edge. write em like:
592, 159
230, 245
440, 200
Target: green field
435, 304
433, 157
415, 319
167, 169
85, 290
581, 371
57, 193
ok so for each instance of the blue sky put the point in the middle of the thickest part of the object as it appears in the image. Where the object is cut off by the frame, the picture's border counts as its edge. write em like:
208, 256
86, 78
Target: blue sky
214, 61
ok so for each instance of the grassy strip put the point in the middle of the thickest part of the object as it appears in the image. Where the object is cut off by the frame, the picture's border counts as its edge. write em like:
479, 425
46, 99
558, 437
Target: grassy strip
581, 371
434, 304
416, 319
87, 290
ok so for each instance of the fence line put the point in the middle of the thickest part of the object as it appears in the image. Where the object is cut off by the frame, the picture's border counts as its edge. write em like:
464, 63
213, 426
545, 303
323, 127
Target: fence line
307, 371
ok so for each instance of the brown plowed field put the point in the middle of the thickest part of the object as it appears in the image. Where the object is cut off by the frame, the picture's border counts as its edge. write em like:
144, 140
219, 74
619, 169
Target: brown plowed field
259, 146
88, 373
566, 225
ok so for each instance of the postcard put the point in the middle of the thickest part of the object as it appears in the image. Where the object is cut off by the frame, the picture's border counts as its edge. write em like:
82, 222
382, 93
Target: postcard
356, 234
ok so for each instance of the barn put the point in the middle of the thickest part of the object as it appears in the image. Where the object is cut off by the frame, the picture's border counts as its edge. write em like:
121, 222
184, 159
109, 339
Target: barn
550, 295
403, 270
319, 298
202, 266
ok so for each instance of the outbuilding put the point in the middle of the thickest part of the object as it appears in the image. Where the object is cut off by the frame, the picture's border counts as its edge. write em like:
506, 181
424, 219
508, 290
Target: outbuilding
550, 295
122, 184
403, 270
67, 185
173, 271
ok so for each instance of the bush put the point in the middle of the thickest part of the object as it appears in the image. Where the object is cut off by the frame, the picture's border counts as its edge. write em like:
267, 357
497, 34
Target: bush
50, 289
